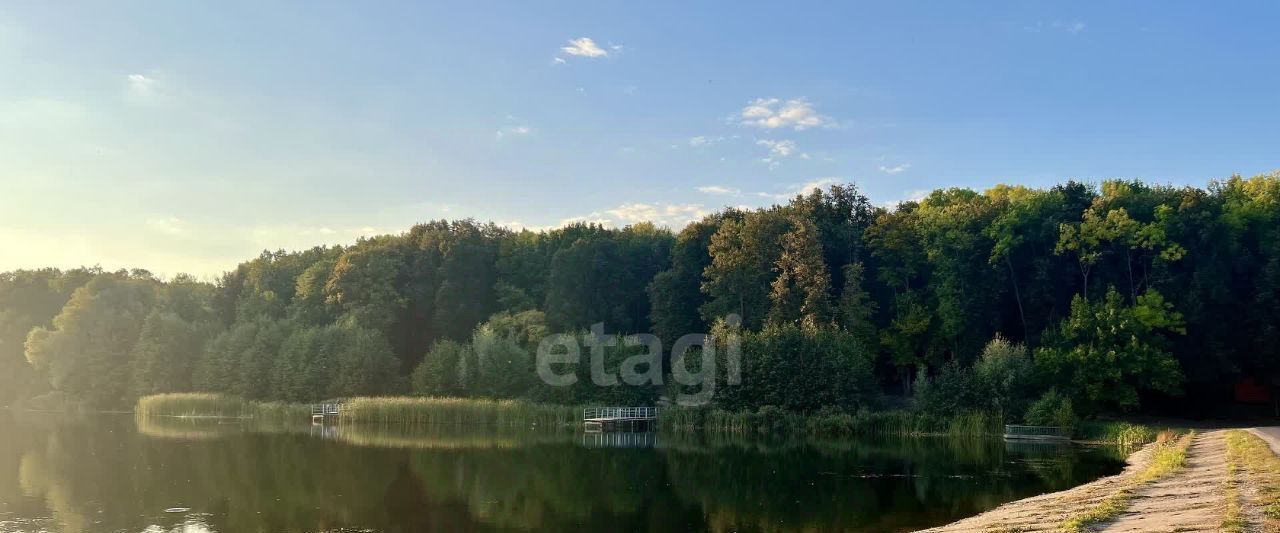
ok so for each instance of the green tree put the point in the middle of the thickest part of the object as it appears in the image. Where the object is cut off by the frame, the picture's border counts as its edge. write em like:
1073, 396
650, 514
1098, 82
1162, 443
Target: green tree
166, 352
857, 308
743, 254
799, 293
1106, 353
30, 299
437, 374
88, 351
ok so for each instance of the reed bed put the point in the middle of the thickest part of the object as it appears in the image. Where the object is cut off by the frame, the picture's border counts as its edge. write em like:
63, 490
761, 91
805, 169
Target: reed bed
438, 411
192, 404
1124, 434
212, 405
883, 423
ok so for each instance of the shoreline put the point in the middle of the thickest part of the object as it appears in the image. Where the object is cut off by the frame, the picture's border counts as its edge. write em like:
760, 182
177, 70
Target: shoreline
1050, 509
1221, 479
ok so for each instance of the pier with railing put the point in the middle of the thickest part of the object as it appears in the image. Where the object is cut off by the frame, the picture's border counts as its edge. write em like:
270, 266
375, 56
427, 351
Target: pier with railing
1040, 433
619, 418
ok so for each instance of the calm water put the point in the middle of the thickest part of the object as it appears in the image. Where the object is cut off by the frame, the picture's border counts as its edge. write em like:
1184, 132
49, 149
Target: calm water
111, 473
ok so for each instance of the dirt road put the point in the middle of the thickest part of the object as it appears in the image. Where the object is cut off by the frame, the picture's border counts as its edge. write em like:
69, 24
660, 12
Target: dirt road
1271, 435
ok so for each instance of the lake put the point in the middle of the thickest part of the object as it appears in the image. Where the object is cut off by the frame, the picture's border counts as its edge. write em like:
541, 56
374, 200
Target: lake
114, 473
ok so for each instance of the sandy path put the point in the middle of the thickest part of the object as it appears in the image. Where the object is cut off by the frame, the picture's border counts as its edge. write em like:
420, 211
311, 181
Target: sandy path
1191, 499
1047, 511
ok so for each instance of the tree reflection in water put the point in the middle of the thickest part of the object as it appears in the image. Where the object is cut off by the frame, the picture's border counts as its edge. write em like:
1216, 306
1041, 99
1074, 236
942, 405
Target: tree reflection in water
114, 473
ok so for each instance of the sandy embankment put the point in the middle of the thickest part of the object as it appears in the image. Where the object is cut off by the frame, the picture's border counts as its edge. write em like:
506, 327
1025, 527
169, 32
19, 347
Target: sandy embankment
1190, 499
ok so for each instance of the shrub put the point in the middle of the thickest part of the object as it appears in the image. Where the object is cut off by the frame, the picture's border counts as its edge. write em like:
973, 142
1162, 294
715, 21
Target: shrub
1052, 409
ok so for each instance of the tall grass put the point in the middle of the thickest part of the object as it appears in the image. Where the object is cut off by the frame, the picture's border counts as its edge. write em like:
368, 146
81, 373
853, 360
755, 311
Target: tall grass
1262, 468
1124, 434
433, 411
209, 405
772, 420
192, 404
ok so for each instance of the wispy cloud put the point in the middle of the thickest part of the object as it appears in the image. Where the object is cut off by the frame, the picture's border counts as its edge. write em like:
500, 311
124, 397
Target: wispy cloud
706, 140
897, 169
142, 85
781, 148
513, 131
773, 113
910, 195
718, 189
670, 215
802, 188
1069, 26
585, 47
143, 88
167, 225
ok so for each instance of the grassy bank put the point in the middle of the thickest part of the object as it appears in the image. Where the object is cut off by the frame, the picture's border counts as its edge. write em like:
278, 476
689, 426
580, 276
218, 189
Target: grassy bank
412, 411
886, 423
390, 411
1253, 459
420, 411
200, 404
768, 421
1125, 434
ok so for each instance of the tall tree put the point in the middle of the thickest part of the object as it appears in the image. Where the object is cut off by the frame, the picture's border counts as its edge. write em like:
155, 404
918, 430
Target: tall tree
800, 292
87, 352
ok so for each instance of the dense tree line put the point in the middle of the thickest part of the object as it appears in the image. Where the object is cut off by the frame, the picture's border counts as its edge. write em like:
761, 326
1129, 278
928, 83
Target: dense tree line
1110, 297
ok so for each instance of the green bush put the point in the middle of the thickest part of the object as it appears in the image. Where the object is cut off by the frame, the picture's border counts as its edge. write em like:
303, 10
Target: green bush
1052, 409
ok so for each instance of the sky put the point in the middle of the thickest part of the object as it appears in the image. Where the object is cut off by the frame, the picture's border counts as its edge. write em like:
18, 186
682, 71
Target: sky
190, 136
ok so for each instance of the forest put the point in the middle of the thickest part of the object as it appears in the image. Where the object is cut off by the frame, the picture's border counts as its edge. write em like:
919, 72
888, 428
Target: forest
1072, 300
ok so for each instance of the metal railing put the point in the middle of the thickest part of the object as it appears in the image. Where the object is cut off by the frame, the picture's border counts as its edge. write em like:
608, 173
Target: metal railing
596, 413
326, 409
1037, 431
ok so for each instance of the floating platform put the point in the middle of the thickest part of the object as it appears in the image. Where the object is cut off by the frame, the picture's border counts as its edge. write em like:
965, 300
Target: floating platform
598, 419
323, 411
1037, 433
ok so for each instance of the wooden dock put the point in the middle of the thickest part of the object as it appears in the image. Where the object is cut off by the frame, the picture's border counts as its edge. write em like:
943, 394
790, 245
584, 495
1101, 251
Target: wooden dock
597, 419
1037, 433
325, 410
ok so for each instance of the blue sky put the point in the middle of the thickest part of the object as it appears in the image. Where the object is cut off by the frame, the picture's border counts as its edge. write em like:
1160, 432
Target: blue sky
185, 136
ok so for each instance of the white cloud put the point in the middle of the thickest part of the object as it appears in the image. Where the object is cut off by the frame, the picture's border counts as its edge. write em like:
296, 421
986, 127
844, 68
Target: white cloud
897, 169
671, 215
558, 61
783, 148
912, 195
513, 131
584, 47
703, 140
717, 189
1073, 26
168, 225
802, 189
674, 215
772, 113
143, 87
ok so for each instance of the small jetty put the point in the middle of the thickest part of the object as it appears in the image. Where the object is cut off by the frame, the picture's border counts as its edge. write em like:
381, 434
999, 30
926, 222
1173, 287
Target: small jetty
320, 412
598, 419
1037, 433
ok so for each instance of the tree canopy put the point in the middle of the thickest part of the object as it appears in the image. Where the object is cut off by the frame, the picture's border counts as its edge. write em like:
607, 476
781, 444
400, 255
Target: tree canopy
1118, 296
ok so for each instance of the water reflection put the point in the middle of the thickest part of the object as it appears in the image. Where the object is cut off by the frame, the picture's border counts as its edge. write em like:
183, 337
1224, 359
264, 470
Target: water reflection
117, 474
